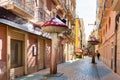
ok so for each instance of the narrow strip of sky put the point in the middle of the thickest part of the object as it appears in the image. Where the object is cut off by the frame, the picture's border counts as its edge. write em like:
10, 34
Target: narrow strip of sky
86, 9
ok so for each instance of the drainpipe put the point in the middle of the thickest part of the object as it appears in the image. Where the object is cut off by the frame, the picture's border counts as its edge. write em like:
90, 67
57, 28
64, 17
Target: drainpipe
115, 45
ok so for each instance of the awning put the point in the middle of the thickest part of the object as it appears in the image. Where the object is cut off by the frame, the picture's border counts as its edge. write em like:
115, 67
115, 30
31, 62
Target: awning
29, 28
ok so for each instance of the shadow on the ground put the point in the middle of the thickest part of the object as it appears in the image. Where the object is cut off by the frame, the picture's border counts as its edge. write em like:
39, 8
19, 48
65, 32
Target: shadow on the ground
92, 70
43, 77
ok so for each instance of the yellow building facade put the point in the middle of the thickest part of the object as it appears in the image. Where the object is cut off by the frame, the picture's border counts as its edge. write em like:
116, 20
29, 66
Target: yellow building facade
77, 34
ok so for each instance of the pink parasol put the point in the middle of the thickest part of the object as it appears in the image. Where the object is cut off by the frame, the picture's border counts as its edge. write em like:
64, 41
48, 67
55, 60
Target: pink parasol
54, 25
94, 41
78, 51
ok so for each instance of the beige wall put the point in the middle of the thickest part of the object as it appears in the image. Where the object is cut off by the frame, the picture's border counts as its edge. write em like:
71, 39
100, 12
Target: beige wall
107, 48
3, 52
118, 49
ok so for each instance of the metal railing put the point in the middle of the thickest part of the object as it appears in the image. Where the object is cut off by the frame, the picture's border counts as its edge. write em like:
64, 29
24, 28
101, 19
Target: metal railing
108, 3
112, 1
69, 8
63, 5
19, 4
105, 4
44, 16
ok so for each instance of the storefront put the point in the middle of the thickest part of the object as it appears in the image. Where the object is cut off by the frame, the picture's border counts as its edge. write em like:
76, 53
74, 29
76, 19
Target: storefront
25, 50
16, 52
32, 53
41, 53
48, 50
24, 47
3, 52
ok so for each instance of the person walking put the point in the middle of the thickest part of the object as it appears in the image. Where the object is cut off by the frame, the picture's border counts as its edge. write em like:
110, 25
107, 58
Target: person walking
98, 55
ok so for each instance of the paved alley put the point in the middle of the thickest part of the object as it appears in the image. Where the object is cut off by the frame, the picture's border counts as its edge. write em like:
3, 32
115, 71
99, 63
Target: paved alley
81, 69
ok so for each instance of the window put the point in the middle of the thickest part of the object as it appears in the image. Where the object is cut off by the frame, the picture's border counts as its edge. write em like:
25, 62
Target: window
109, 22
106, 28
103, 32
16, 53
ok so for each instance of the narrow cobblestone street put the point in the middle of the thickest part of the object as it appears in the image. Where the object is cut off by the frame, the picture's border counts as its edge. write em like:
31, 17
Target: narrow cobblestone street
76, 70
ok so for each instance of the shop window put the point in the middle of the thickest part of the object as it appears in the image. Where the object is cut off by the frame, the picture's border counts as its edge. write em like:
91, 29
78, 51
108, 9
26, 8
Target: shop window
16, 53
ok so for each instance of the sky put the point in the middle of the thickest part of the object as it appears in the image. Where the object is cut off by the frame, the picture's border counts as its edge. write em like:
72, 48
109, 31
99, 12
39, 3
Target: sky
86, 9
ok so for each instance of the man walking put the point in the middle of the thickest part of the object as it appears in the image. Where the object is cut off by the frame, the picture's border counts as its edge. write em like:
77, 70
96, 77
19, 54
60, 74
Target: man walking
98, 54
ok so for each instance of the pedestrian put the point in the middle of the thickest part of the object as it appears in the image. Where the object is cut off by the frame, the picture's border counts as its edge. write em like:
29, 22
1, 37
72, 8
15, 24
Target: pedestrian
98, 54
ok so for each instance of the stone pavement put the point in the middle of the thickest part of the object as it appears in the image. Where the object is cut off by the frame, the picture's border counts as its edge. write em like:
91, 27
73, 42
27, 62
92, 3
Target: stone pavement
81, 69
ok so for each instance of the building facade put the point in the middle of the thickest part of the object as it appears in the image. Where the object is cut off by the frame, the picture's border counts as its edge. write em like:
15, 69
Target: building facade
78, 39
70, 38
83, 36
108, 34
115, 7
80, 42
24, 47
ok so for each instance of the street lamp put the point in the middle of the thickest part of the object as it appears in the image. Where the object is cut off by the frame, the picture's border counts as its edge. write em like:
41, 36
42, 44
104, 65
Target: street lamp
54, 26
93, 42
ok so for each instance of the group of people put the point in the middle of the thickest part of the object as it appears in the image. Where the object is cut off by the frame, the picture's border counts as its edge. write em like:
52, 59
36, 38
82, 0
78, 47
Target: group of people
73, 56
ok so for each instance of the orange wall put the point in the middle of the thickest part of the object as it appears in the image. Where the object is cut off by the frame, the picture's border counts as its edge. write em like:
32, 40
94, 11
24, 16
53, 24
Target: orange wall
48, 53
3, 51
3, 34
108, 39
32, 60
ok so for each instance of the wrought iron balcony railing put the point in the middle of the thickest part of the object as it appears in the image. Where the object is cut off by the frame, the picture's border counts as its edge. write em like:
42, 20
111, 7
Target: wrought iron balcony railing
112, 1
70, 10
19, 4
105, 4
44, 16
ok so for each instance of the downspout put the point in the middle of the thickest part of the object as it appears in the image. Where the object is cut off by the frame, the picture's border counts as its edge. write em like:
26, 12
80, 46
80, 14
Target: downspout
115, 64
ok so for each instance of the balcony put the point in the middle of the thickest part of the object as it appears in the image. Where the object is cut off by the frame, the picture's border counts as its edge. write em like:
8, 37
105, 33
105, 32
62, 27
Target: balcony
19, 8
71, 37
70, 12
101, 2
100, 13
56, 2
62, 3
60, 6
103, 23
107, 7
44, 16
116, 5
107, 12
